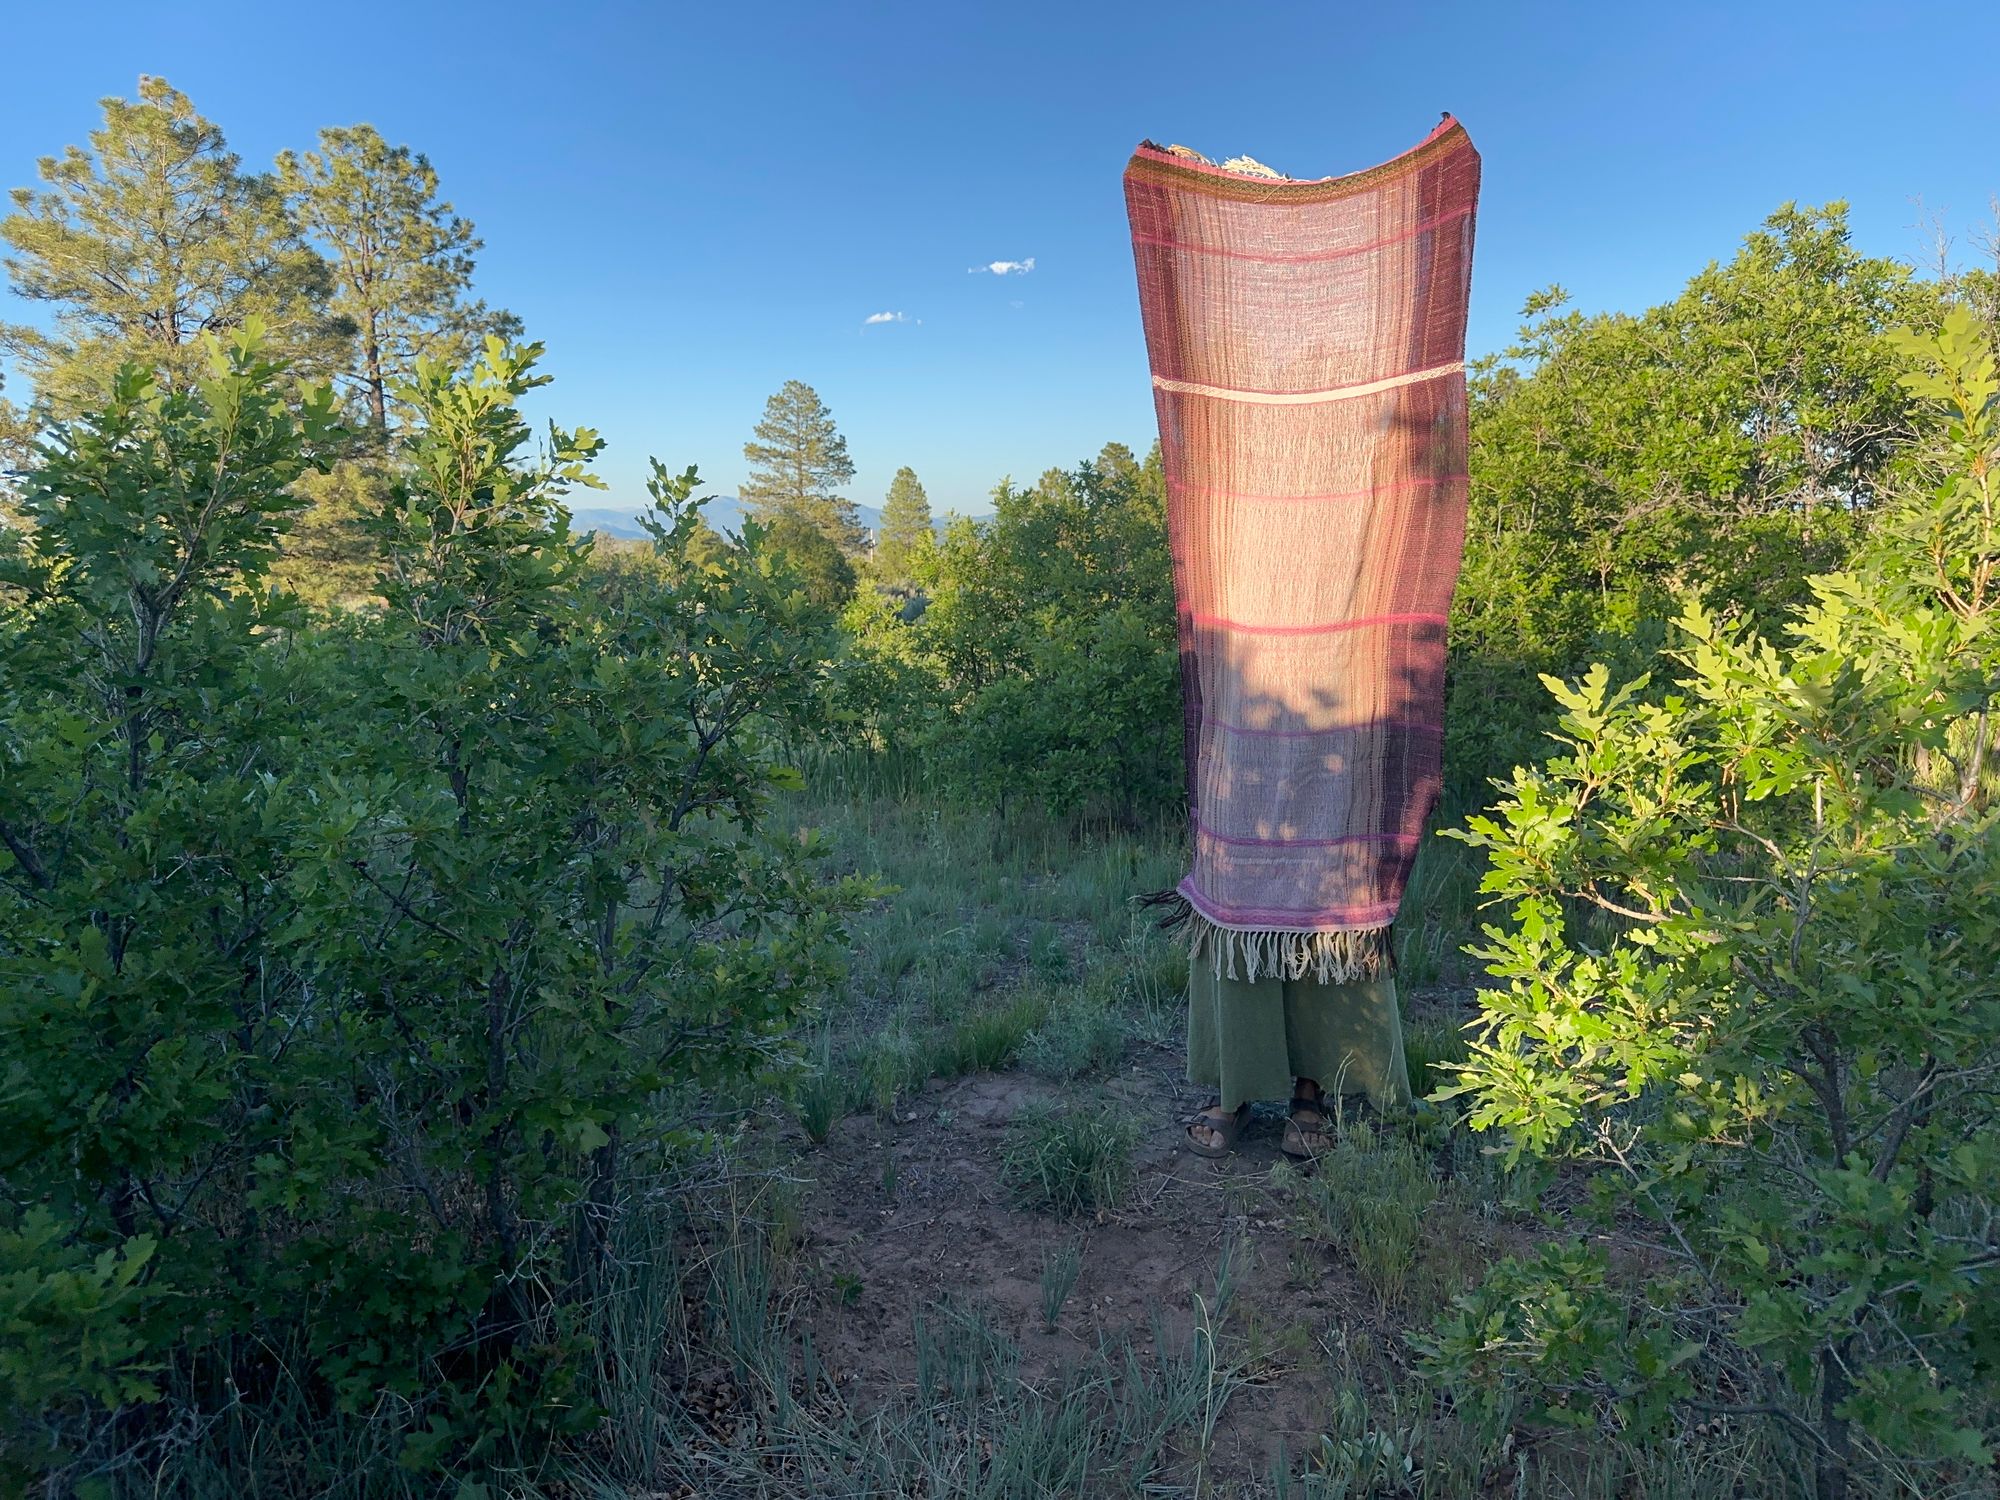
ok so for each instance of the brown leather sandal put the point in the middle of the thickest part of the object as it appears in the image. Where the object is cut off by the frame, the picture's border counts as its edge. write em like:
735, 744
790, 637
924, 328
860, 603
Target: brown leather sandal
1308, 1128
1228, 1126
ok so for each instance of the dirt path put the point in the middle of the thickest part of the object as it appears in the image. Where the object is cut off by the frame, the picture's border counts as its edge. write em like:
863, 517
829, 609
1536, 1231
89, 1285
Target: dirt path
904, 1213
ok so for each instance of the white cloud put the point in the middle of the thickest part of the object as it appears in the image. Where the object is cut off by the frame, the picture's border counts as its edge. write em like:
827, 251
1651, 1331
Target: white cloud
887, 317
1003, 268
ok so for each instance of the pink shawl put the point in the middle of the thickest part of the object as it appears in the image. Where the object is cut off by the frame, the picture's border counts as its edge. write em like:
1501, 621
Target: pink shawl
1307, 343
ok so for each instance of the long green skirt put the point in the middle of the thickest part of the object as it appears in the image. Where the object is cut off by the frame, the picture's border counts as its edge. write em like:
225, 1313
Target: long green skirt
1251, 1039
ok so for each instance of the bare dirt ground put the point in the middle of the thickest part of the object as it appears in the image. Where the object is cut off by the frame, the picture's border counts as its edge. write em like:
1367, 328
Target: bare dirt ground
903, 1213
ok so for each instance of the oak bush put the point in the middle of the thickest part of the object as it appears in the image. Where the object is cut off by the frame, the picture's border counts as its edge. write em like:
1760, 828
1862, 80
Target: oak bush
358, 972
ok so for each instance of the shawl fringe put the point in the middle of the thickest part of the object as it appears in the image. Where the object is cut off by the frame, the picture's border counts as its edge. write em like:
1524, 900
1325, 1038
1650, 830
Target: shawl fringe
1179, 910
1340, 957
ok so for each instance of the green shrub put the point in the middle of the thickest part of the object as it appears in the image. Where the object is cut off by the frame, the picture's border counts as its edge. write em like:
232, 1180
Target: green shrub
347, 963
1731, 440
1043, 671
76, 1331
1551, 1337
1783, 1053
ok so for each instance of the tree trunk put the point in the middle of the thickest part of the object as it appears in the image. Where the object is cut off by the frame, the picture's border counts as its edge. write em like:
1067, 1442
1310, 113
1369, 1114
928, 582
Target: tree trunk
1830, 1471
378, 390
503, 1311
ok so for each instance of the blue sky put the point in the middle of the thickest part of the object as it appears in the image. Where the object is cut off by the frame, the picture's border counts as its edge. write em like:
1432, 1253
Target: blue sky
693, 203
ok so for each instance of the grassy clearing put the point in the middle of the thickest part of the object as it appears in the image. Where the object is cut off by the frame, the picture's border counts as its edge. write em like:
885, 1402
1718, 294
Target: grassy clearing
720, 1390
1011, 945
717, 1386
1006, 940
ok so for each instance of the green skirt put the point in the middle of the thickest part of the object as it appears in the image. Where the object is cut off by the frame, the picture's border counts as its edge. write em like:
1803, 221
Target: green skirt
1250, 1039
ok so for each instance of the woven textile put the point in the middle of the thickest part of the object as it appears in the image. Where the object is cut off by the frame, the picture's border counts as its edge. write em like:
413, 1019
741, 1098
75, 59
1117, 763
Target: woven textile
1307, 342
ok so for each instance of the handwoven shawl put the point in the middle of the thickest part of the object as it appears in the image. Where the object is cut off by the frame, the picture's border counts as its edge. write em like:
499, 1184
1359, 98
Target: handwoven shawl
1307, 343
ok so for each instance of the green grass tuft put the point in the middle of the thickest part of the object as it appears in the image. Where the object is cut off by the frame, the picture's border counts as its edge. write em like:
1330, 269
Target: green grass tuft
819, 1102
1070, 1161
1048, 955
1430, 1050
1079, 1038
987, 1040
1370, 1197
1061, 1265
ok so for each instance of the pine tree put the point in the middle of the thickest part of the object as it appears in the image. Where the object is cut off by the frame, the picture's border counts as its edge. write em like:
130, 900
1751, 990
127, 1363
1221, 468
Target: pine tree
1115, 465
798, 463
906, 528
15, 431
327, 558
822, 570
147, 239
706, 546
402, 259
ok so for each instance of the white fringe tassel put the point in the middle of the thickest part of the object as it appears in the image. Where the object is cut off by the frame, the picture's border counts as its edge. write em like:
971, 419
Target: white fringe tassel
1329, 957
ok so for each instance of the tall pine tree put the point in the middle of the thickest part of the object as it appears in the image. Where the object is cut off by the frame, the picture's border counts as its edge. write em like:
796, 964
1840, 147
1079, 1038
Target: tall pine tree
148, 238
798, 461
14, 434
906, 528
402, 263
402, 259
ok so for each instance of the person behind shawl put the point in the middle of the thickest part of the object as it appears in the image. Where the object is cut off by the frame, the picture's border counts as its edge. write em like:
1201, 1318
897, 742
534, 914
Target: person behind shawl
1307, 345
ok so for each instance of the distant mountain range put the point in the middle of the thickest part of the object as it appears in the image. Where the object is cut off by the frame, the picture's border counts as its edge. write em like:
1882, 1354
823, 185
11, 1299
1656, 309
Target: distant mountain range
724, 513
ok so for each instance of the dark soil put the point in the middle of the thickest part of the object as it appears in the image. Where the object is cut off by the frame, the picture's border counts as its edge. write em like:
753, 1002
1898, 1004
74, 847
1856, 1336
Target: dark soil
906, 1212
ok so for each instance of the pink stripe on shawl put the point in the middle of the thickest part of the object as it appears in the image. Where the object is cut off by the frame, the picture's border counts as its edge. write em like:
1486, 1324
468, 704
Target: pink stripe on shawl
1346, 838
1411, 726
1333, 627
1422, 481
1290, 918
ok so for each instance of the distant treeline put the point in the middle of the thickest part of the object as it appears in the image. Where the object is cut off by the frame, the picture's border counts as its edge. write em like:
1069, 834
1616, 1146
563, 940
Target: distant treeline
1727, 444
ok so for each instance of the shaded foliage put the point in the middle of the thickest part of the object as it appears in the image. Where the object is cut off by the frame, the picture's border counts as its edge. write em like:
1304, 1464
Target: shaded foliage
821, 567
1043, 667
1783, 1051
353, 975
1728, 443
